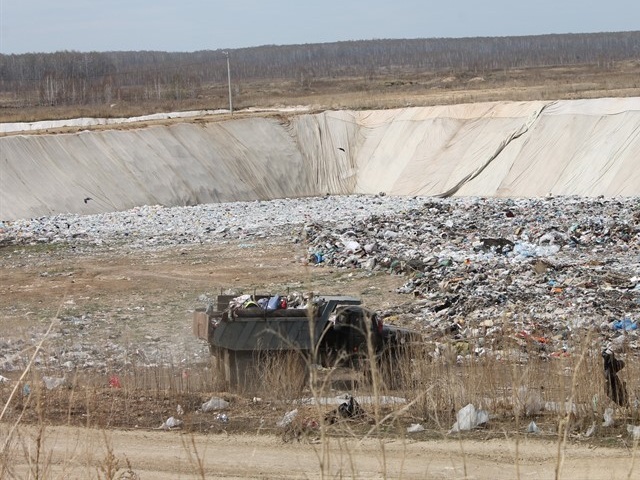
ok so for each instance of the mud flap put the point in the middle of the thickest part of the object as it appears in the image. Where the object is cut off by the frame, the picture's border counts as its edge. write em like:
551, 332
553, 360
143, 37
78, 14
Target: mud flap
201, 324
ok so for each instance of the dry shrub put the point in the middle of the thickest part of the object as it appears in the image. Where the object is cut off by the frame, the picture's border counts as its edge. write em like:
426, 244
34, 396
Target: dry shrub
520, 384
282, 374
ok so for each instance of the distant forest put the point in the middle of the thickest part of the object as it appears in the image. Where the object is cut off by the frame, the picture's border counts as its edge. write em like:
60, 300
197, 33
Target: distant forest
77, 78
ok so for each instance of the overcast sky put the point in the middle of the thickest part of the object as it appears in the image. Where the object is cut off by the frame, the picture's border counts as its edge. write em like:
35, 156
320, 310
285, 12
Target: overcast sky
190, 25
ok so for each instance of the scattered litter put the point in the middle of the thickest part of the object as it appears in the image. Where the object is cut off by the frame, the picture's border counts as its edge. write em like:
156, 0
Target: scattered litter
26, 390
4, 379
53, 382
533, 428
310, 424
609, 421
627, 324
591, 430
179, 410
361, 399
215, 403
114, 381
348, 409
222, 418
615, 387
415, 428
171, 423
288, 418
469, 418
634, 431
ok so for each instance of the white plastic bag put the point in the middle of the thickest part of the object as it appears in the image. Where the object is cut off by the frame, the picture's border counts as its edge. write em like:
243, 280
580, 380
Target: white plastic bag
215, 403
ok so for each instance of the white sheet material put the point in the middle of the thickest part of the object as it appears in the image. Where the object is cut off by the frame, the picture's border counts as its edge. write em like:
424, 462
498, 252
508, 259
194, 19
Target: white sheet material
582, 147
91, 121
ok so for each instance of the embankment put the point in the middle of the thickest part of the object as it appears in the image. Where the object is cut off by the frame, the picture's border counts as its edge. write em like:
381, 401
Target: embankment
516, 149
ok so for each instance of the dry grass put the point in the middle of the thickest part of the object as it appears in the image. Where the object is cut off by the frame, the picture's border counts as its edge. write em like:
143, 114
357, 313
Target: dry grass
400, 89
282, 375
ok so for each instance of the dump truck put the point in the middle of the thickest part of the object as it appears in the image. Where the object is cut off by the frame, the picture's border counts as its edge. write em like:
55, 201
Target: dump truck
328, 332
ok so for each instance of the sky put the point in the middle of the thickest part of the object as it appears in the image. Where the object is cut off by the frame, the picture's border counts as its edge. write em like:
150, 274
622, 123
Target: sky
191, 25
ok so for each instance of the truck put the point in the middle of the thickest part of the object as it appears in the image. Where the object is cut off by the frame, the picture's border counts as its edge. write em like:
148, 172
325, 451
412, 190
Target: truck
327, 333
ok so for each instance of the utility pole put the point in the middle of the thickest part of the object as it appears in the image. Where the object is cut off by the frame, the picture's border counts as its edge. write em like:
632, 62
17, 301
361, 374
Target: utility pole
229, 81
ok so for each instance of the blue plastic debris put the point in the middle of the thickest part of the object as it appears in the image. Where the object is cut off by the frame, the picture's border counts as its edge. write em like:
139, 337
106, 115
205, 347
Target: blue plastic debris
626, 324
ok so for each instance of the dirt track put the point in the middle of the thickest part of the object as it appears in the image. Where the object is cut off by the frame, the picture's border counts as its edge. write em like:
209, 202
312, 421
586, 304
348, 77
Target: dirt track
76, 453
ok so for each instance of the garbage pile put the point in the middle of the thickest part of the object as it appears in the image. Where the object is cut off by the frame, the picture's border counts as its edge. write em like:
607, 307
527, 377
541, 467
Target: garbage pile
537, 269
153, 227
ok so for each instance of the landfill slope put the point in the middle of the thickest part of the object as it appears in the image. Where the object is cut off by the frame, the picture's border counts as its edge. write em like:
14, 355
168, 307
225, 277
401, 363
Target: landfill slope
509, 149
183, 164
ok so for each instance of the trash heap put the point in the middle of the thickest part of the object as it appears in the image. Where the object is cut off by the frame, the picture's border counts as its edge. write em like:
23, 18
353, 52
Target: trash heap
539, 270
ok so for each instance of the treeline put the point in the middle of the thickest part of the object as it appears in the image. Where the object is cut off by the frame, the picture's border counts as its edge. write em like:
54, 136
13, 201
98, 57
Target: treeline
77, 78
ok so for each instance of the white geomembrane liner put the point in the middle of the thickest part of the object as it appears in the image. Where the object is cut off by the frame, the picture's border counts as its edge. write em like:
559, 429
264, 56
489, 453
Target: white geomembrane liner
512, 149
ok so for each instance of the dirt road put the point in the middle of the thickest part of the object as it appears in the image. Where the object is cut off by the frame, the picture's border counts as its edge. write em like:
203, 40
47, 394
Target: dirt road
81, 453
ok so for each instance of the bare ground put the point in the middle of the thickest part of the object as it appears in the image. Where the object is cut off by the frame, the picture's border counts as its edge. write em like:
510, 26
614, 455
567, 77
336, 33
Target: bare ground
83, 453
